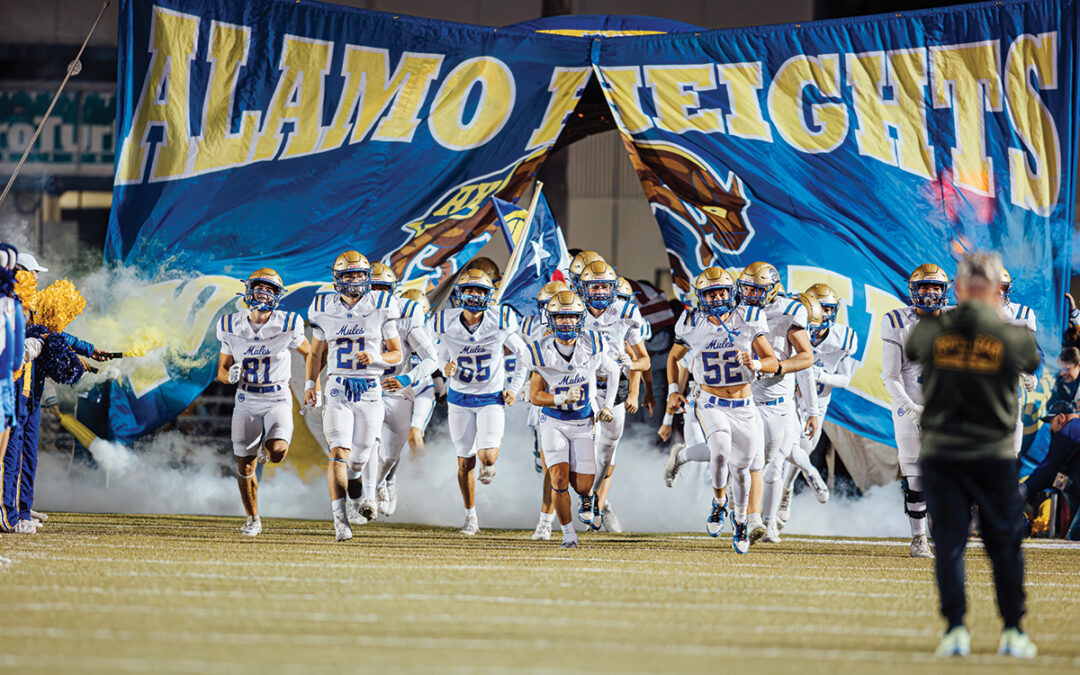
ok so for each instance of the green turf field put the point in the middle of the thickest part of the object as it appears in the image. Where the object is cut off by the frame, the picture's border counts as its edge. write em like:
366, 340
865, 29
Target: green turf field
188, 594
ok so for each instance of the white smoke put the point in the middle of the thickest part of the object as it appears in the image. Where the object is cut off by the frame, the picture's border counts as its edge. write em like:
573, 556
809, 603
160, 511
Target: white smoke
173, 476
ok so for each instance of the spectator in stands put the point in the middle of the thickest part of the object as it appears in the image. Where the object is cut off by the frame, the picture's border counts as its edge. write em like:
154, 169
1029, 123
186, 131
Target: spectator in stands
1068, 379
1060, 469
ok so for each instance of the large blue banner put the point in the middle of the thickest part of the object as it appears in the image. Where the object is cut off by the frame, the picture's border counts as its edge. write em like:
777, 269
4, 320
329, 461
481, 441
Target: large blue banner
277, 133
850, 152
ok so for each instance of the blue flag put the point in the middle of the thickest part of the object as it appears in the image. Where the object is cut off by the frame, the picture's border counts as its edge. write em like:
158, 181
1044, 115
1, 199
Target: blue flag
544, 252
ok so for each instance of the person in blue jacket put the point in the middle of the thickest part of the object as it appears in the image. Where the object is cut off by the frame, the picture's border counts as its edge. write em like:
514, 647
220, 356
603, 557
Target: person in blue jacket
20, 462
1060, 468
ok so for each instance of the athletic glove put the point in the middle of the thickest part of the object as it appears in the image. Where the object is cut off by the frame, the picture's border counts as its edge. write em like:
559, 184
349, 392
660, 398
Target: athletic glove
572, 395
404, 380
355, 388
912, 411
234, 373
625, 361
606, 415
32, 348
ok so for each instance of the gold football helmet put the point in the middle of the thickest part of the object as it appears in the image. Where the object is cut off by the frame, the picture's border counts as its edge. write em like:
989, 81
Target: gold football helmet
928, 288
578, 265
263, 290
1006, 287
547, 291
419, 297
624, 291
487, 266
597, 283
382, 277
813, 311
715, 279
351, 263
759, 284
473, 290
562, 305
829, 300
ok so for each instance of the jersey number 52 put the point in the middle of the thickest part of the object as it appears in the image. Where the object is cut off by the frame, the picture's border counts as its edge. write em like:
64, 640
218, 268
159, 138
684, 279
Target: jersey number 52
722, 368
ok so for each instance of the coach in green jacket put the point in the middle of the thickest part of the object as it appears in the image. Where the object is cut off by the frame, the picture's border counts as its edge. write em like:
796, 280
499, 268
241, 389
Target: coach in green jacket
971, 363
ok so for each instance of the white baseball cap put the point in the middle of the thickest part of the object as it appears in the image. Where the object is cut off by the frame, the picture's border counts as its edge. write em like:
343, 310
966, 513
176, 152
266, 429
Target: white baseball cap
29, 262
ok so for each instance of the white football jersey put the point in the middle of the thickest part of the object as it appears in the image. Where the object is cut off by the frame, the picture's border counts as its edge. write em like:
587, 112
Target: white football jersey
262, 351
411, 330
349, 331
532, 328
478, 353
896, 326
562, 374
620, 324
1020, 315
715, 350
782, 315
840, 343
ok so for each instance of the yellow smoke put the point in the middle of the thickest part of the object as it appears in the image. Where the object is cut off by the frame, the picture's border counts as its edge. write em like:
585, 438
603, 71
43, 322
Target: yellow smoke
144, 341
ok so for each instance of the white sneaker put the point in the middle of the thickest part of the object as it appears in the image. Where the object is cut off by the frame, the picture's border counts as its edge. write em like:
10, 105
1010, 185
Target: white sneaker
609, 520
784, 512
819, 486
39, 515
1017, 644
542, 532
755, 527
957, 642
471, 526
368, 510
391, 491
920, 547
342, 531
25, 527
252, 528
671, 468
486, 474
772, 534
262, 457
352, 512
382, 500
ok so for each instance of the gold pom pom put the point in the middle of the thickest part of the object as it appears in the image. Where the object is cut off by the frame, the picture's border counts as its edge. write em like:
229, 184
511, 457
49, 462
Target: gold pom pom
58, 305
26, 289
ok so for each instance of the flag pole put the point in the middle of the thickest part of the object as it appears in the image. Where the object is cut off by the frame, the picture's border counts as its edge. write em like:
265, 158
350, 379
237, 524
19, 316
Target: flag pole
515, 256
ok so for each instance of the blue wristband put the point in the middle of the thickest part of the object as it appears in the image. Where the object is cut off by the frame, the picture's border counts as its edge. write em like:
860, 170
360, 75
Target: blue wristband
403, 380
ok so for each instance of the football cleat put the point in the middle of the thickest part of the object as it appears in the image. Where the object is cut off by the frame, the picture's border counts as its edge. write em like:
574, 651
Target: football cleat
471, 526
252, 528
486, 474
342, 531
585, 512
1016, 643
391, 493
920, 547
957, 642
783, 513
263, 457
598, 515
671, 468
740, 541
755, 526
772, 534
369, 511
609, 520
352, 512
714, 525
820, 488
542, 532
382, 500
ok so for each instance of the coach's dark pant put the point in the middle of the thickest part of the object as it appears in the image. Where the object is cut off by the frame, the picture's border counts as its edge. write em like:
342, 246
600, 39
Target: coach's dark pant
952, 488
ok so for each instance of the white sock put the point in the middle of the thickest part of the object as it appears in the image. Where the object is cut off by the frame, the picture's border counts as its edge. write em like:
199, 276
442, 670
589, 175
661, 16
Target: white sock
568, 530
694, 453
548, 518
470, 513
337, 506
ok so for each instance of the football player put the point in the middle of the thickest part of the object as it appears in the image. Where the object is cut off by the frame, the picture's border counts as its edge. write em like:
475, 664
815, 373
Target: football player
834, 364
532, 329
356, 339
1019, 315
474, 338
928, 293
577, 265
620, 324
729, 345
399, 384
255, 356
759, 286
565, 364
